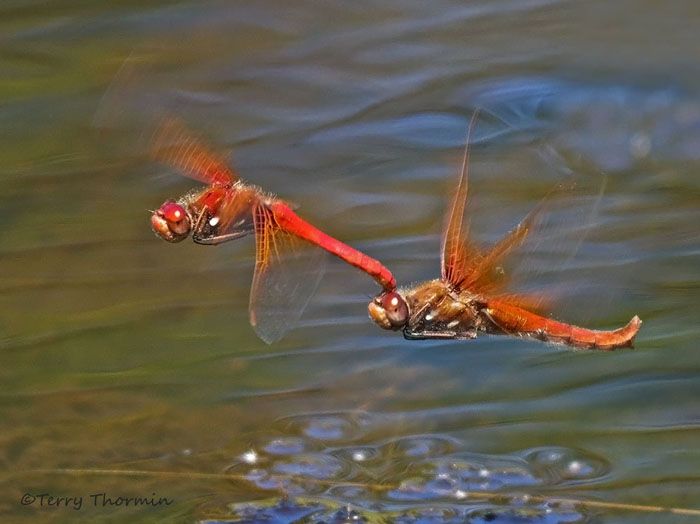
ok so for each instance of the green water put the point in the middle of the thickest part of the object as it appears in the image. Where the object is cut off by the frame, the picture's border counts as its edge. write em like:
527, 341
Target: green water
134, 359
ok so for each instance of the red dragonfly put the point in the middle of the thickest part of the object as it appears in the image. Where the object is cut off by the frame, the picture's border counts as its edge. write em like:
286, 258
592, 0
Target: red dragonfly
228, 209
467, 299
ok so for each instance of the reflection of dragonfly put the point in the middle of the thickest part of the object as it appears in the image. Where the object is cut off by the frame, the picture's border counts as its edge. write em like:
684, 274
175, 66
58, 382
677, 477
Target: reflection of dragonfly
228, 209
467, 299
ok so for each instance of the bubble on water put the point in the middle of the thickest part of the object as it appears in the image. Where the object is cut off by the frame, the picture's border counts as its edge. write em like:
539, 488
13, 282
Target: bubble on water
354, 454
330, 427
443, 477
281, 512
579, 469
551, 456
561, 464
326, 427
574, 467
314, 466
286, 446
359, 456
249, 457
442, 486
481, 478
256, 474
421, 446
460, 494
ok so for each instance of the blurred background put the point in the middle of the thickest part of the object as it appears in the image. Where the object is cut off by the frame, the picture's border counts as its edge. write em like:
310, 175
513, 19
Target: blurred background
124, 354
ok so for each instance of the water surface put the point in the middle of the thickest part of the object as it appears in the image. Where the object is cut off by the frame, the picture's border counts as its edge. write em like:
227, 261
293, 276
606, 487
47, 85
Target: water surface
123, 354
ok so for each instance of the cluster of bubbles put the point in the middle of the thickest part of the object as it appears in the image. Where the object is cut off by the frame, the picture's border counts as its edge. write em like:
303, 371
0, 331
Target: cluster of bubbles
326, 469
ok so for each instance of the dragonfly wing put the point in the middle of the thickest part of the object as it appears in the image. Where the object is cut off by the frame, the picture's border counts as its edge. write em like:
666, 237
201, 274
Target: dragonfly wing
483, 274
177, 146
531, 267
463, 265
133, 110
553, 256
287, 273
457, 254
564, 214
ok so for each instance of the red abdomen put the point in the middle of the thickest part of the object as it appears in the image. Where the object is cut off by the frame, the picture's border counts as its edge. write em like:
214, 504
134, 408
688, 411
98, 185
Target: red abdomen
516, 321
289, 221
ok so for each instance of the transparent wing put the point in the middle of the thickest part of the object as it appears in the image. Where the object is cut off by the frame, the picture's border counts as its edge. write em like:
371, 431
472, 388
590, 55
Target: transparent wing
557, 257
174, 144
467, 267
531, 267
287, 273
557, 226
136, 110
457, 253
485, 271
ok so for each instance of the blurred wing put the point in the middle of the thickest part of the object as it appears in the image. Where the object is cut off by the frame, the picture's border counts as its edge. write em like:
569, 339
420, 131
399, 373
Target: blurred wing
287, 272
533, 255
175, 145
457, 254
562, 217
135, 112
483, 275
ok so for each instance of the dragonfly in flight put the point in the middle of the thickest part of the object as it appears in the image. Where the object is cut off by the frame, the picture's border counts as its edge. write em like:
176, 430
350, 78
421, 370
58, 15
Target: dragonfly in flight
227, 209
467, 299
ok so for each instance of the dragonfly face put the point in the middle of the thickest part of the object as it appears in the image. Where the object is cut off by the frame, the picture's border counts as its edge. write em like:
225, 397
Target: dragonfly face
171, 222
389, 310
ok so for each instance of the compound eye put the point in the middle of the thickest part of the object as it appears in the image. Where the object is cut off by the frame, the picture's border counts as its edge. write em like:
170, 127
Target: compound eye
396, 309
171, 222
172, 212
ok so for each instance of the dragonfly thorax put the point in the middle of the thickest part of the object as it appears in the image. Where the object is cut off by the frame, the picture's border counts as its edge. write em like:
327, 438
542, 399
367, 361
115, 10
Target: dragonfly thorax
438, 311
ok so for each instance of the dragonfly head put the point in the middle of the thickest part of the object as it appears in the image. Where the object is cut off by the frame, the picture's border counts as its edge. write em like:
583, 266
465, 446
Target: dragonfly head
389, 310
171, 222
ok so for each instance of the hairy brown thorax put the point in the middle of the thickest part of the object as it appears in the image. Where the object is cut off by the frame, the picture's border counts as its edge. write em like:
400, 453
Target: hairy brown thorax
437, 311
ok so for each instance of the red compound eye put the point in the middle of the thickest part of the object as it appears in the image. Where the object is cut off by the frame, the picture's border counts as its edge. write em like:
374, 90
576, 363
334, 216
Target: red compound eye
396, 309
172, 212
171, 222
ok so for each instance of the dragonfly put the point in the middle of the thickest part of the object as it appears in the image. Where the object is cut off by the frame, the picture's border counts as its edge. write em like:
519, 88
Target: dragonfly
468, 299
228, 209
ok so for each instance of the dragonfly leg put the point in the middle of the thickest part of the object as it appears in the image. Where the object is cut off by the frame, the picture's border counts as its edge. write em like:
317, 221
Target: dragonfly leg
429, 303
219, 239
446, 334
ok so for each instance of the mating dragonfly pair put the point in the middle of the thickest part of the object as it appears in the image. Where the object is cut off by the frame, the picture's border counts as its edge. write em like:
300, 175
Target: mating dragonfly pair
464, 301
